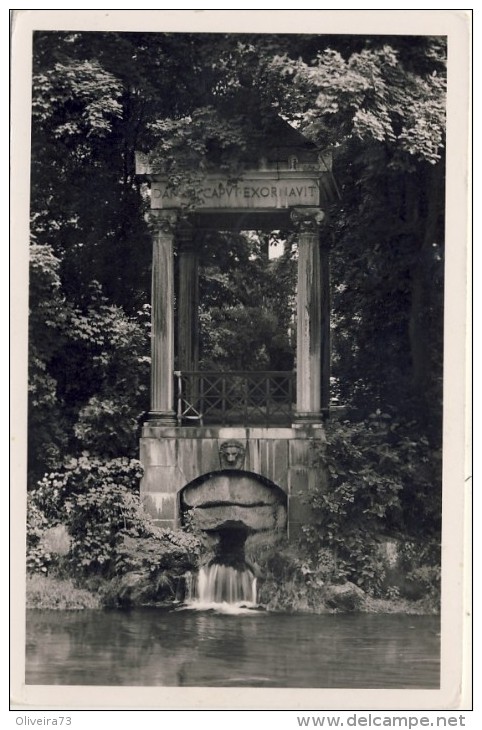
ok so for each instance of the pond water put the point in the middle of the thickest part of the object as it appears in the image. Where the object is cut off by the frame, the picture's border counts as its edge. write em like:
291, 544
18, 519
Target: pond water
160, 647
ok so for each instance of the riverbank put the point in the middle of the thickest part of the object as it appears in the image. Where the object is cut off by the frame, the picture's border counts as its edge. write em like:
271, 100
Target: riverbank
52, 593
330, 598
46, 592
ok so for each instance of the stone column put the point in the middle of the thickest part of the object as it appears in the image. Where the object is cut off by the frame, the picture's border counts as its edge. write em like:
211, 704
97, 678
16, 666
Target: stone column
188, 304
309, 317
162, 318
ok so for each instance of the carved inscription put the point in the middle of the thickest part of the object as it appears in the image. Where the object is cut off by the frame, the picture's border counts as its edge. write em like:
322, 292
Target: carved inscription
265, 193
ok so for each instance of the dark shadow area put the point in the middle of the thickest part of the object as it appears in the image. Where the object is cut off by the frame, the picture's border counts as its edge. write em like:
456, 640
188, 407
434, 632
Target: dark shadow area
230, 546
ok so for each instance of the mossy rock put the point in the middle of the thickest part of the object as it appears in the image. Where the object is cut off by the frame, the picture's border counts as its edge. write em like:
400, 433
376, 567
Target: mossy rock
343, 597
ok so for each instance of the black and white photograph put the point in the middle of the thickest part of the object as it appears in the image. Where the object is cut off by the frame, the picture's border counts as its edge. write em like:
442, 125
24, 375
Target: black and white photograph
241, 357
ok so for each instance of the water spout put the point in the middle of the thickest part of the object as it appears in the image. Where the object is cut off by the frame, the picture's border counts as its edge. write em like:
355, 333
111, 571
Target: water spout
222, 587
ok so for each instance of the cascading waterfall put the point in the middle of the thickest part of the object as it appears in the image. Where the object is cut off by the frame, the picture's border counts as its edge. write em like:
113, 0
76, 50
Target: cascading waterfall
219, 585
228, 583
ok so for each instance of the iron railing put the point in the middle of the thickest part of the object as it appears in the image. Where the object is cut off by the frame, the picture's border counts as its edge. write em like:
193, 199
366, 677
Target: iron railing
238, 398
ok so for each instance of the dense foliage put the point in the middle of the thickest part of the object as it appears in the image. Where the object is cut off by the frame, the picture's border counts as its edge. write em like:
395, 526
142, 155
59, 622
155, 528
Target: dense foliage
110, 544
247, 303
199, 99
381, 483
96, 500
89, 369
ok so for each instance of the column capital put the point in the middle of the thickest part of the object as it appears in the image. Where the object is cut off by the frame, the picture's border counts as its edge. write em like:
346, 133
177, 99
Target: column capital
162, 221
307, 220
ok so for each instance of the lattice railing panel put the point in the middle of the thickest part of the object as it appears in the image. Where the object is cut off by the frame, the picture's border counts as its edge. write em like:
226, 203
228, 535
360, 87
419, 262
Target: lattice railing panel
235, 398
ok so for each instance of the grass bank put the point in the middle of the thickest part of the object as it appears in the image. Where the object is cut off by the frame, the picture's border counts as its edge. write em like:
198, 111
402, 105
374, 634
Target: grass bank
47, 592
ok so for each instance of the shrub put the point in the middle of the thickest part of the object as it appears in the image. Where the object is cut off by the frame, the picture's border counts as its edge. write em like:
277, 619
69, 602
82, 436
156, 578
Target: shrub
165, 549
97, 500
111, 537
376, 470
38, 561
421, 563
151, 569
288, 582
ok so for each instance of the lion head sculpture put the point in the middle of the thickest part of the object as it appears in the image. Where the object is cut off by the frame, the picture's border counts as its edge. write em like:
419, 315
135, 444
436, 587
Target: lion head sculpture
231, 454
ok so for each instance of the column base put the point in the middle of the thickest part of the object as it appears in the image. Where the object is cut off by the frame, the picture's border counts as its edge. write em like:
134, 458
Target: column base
162, 418
308, 417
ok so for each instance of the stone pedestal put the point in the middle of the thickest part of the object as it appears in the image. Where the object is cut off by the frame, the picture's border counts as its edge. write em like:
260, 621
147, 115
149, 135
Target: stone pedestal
286, 458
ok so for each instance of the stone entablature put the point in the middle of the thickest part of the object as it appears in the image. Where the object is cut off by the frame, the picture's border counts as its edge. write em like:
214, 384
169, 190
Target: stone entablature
301, 177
